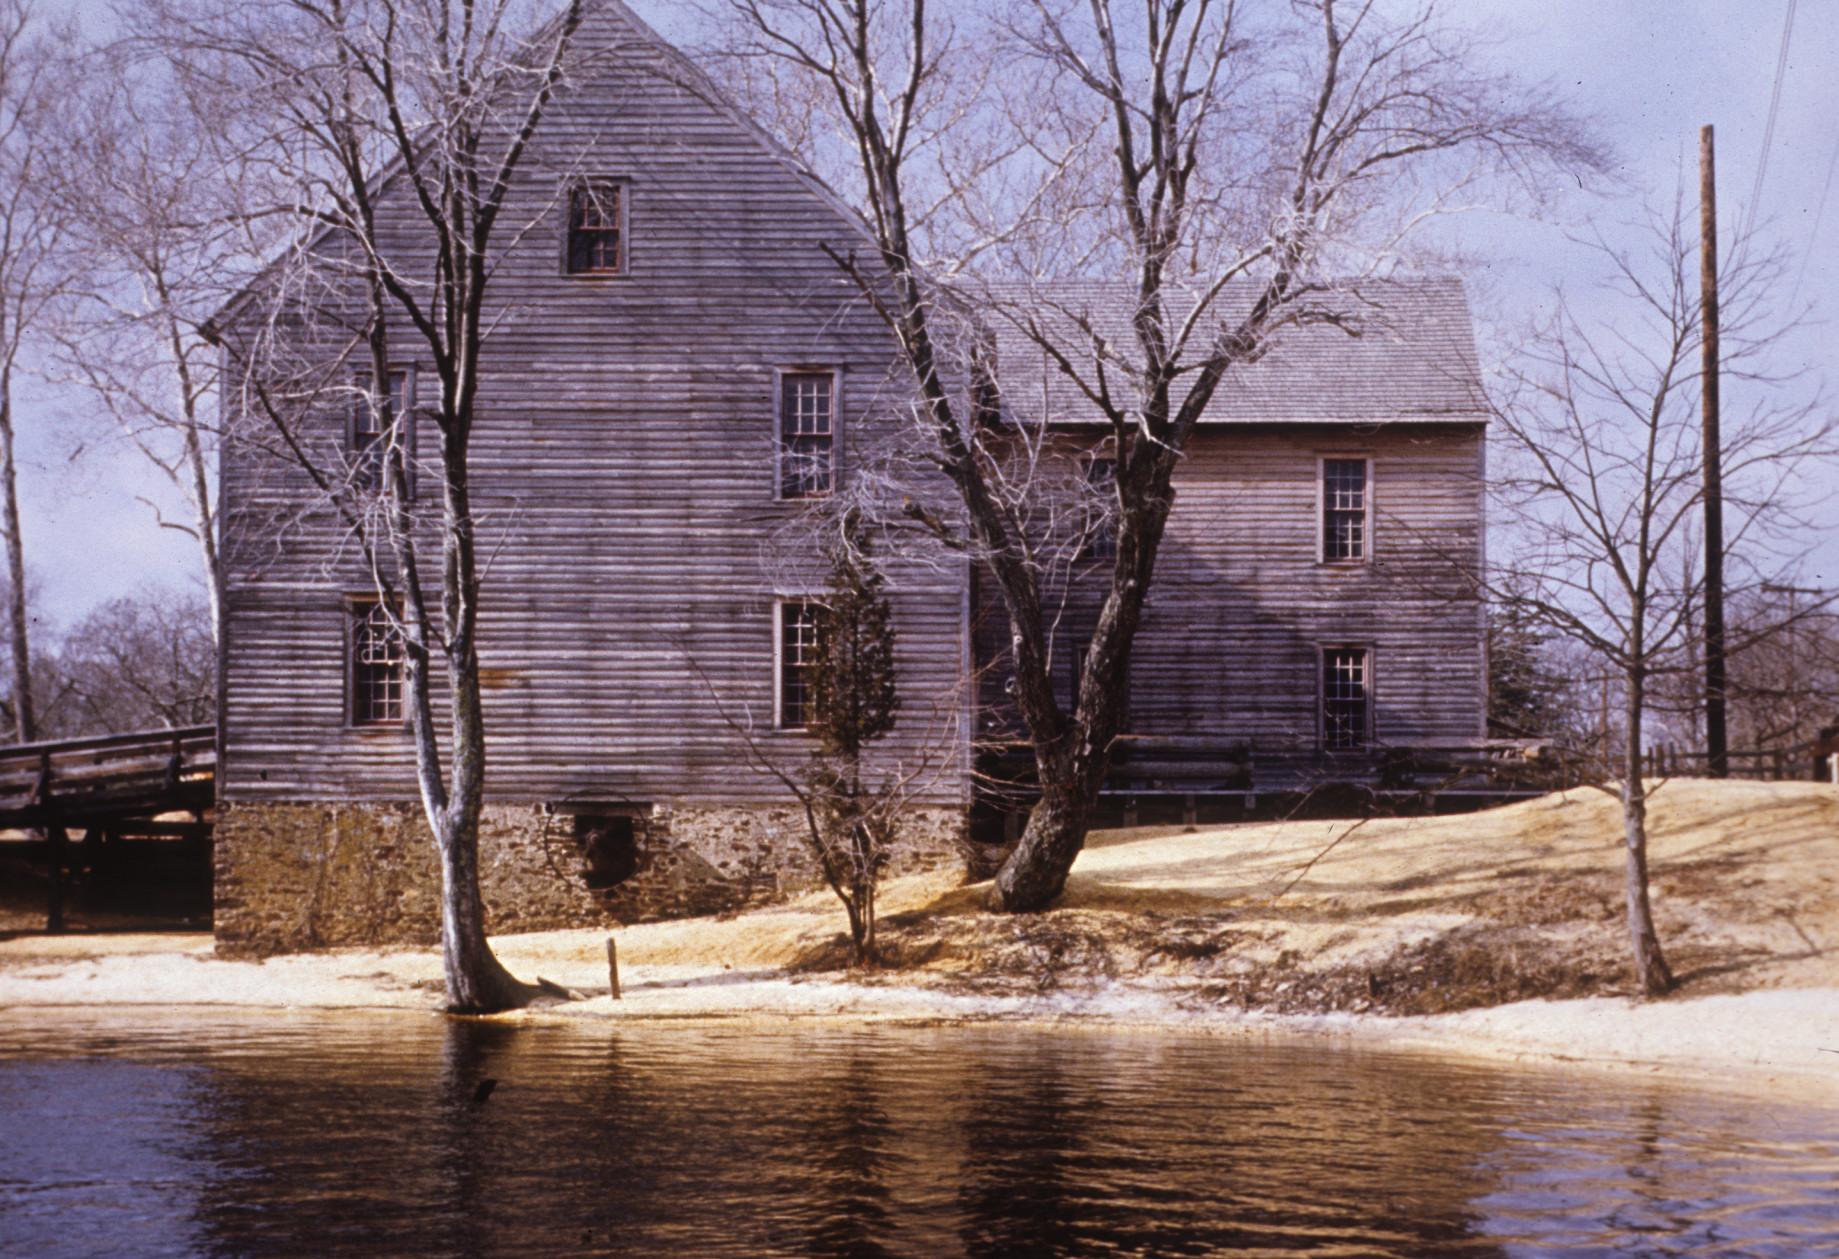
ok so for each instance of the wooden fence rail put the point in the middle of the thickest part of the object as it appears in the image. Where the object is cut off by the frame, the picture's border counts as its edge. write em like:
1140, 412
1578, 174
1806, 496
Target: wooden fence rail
1800, 761
1498, 768
1158, 765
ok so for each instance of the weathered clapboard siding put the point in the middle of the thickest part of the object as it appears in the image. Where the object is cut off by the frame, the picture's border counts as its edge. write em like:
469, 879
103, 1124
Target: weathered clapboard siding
623, 474
1240, 604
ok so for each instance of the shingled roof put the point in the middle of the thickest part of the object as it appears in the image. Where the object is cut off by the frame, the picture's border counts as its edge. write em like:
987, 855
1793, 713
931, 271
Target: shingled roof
1406, 353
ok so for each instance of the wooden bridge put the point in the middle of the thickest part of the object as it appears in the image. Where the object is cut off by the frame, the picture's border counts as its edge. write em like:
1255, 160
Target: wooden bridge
120, 793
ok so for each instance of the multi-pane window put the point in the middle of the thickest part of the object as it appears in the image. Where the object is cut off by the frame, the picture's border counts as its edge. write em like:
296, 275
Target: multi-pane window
1346, 691
377, 658
797, 654
369, 429
1344, 503
807, 433
1101, 520
596, 242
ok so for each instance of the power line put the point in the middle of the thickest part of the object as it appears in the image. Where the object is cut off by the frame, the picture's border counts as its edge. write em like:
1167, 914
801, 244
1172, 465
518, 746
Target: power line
1819, 212
1768, 132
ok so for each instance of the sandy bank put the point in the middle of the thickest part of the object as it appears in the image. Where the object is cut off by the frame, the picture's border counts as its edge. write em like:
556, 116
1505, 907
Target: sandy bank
1496, 934
1781, 1041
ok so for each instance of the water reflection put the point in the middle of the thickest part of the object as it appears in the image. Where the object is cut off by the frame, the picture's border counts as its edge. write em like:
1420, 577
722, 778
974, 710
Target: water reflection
851, 1136
362, 1135
75, 1180
1205, 1151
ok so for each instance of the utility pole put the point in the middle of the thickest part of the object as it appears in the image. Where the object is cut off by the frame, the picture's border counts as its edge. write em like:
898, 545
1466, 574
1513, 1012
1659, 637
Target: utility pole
1717, 750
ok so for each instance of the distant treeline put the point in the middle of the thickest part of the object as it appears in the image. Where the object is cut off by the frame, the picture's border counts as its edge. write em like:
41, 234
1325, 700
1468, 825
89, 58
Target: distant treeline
139, 662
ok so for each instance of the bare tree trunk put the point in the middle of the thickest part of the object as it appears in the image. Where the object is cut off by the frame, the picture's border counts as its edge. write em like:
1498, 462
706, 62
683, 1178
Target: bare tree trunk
1651, 970
194, 474
477, 982
454, 94
205, 522
1036, 873
1073, 756
25, 723
869, 952
864, 856
1158, 110
861, 928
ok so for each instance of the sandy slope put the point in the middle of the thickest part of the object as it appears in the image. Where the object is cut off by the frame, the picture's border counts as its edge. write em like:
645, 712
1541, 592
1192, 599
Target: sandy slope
1420, 932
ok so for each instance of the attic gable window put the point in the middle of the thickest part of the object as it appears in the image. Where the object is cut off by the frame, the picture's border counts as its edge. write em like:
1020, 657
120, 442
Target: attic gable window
377, 659
596, 243
807, 433
1344, 511
369, 443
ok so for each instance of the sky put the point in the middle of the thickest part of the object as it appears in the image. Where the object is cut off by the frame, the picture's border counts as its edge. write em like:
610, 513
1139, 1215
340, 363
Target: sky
1649, 73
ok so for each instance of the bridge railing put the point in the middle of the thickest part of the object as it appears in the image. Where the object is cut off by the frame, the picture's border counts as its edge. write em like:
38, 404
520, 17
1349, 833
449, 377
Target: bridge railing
145, 771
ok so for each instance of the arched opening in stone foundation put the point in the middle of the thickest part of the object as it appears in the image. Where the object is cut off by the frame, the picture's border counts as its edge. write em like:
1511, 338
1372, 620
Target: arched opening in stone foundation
609, 849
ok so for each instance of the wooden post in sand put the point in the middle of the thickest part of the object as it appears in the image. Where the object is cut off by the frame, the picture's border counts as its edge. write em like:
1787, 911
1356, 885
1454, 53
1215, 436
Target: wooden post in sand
613, 968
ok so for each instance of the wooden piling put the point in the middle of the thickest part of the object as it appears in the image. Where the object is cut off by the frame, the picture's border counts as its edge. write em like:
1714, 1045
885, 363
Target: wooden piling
612, 968
56, 840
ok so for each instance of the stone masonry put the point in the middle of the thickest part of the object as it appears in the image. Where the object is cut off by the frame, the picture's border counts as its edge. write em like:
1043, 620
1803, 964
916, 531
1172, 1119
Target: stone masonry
318, 874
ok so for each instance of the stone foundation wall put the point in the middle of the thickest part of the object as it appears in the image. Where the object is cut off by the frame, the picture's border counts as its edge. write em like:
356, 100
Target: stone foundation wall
317, 874
695, 860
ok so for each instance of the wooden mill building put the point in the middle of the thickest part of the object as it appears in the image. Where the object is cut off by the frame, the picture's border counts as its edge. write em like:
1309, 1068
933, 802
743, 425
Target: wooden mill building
676, 369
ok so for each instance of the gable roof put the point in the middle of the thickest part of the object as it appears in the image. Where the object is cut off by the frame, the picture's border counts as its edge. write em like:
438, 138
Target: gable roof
1405, 351
693, 78
683, 73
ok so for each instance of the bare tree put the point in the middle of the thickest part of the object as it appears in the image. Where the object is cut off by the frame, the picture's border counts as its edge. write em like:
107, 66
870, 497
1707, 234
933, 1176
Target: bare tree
1784, 669
156, 243
30, 281
1221, 167
50, 692
399, 126
140, 662
1782, 687
1602, 483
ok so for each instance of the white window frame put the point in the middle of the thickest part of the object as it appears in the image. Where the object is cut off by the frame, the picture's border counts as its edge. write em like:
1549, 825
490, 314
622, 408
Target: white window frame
1321, 509
780, 603
836, 427
350, 607
1367, 736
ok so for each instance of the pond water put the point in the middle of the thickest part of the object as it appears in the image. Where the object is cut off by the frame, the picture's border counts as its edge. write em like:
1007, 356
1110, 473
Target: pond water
205, 1134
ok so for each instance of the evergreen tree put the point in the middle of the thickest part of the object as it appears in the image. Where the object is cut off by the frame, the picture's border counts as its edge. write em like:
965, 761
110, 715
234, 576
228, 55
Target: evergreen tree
853, 701
1536, 686
1522, 695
